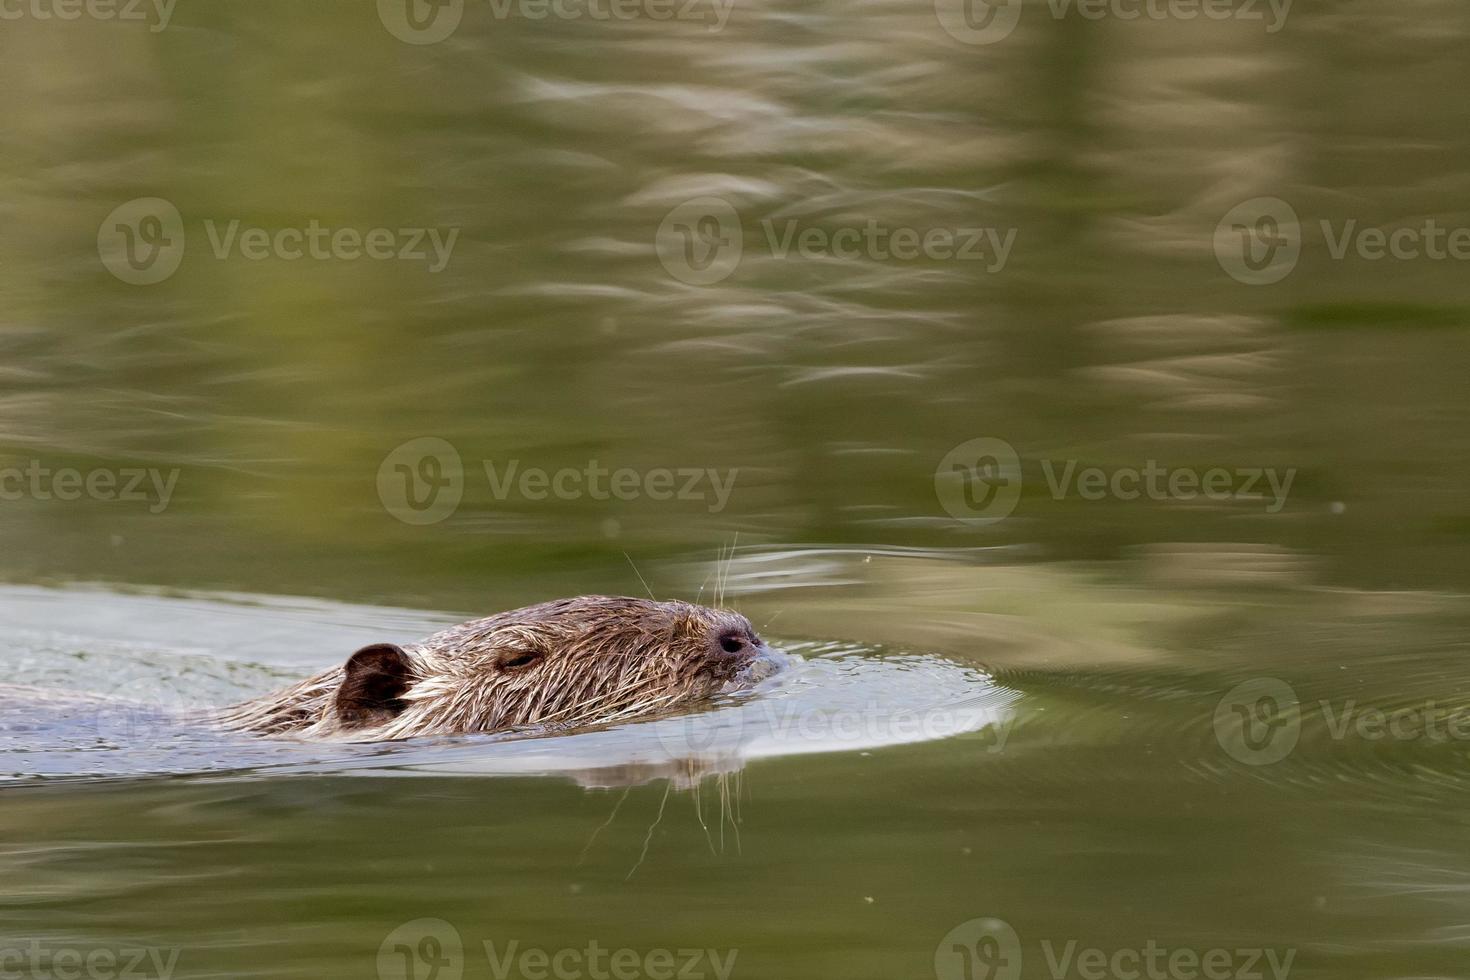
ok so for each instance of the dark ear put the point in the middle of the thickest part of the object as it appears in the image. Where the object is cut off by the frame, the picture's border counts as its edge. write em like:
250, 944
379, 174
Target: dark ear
373, 686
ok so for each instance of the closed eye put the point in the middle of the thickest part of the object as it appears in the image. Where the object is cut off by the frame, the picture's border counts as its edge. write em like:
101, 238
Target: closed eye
517, 658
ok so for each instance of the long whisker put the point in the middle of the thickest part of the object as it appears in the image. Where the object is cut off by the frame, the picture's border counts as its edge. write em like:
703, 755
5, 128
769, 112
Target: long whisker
605, 824
698, 809
640, 576
724, 805
652, 827
734, 546
735, 814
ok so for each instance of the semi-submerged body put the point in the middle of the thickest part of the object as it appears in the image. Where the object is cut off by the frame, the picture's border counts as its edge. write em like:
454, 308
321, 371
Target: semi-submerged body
561, 664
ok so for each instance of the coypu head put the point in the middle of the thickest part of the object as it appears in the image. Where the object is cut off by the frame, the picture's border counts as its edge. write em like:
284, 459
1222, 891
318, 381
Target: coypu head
558, 664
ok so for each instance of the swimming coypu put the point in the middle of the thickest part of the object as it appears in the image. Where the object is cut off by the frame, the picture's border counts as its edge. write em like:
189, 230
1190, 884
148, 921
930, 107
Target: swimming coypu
558, 664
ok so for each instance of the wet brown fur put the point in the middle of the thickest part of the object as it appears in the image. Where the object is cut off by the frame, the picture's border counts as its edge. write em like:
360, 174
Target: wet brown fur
561, 664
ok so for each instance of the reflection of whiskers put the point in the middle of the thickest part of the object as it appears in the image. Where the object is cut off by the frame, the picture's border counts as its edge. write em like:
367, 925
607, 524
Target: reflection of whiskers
648, 838
699, 815
729, 809
684, 775
604, 825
